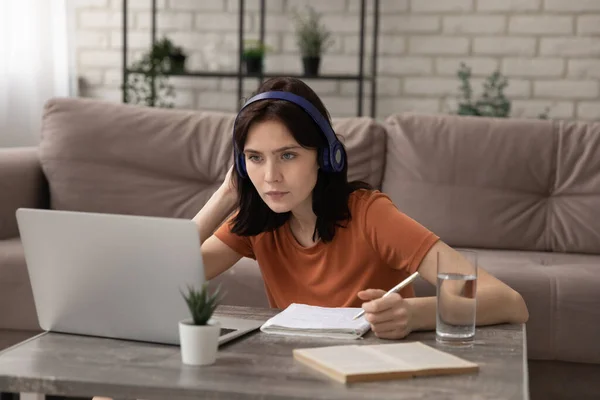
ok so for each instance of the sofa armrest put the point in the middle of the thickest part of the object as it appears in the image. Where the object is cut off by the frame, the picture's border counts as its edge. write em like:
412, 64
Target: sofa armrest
22, 184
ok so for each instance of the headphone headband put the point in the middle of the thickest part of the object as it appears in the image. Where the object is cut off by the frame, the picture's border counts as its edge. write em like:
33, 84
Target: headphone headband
304, 104
333, 156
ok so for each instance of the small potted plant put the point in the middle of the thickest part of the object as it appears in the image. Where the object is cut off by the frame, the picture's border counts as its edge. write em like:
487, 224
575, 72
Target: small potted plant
313, 39
171, 57
199, 335
177, 59
253, 56
492, 102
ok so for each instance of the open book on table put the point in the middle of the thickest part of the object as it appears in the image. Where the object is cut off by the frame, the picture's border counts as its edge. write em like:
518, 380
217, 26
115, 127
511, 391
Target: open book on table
360, 363
305, 320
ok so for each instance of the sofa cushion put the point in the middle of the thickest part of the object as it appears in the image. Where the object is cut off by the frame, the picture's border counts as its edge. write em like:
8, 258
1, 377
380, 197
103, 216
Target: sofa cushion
129, 159
365, 143
574, 202
497, 183
17, 309
106, 157
242, 285
22, 184
561, 292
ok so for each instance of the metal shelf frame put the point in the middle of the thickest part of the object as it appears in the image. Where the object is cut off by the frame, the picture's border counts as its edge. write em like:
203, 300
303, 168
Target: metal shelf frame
360, 77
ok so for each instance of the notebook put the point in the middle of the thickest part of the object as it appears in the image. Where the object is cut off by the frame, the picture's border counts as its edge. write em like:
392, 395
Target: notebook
356, 363
305, 320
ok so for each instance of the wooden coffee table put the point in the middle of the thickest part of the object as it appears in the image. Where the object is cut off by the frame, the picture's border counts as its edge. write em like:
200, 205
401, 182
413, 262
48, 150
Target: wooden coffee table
256, 366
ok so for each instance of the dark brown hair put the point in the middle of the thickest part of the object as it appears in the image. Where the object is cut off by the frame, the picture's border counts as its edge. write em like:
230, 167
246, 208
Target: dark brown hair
332, 190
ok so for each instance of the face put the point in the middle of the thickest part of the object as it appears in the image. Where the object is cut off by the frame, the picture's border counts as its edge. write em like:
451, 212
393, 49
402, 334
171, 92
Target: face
283, 172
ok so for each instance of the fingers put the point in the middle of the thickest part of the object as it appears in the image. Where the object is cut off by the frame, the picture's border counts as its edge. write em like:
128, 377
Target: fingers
382, 303
370, 294
388, 316
391, 314
392, 334
384, 327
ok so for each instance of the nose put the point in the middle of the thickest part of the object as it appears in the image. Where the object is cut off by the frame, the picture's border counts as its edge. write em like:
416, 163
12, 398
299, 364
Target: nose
272, 172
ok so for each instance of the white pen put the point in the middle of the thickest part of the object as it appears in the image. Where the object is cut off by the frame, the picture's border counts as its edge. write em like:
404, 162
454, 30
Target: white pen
395, 289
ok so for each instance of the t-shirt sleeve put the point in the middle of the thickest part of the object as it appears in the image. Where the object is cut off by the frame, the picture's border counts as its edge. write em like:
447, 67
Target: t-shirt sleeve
240, 244
400, 241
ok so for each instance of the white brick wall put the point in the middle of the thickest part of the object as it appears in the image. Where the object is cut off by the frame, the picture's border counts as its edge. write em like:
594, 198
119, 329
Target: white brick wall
533, 67
508, 5
549, 50
504, 46
434, 45
541, 24
402, 23
438, 6
588, 24
474, 24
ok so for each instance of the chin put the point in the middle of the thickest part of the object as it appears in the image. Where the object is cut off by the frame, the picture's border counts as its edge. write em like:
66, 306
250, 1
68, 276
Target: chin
278, 207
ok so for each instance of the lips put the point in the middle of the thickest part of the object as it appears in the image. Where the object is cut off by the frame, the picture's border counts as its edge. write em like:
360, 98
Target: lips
276, 195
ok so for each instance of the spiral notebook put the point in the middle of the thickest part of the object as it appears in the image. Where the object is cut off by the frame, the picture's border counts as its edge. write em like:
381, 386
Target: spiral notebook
306, 320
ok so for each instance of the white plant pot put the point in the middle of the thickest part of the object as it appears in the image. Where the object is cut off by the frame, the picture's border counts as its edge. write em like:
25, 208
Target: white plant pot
199, 343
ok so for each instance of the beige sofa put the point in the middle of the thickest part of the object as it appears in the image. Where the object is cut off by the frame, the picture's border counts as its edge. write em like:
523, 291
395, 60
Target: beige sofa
524, 193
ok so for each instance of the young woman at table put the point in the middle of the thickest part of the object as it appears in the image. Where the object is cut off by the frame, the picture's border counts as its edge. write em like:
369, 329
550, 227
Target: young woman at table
318, 238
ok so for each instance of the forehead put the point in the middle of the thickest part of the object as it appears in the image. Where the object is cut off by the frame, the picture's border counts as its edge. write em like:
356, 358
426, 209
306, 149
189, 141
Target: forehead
267, 135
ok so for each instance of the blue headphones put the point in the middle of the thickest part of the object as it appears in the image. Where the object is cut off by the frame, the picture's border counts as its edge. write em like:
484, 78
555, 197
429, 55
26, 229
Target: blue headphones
333, 154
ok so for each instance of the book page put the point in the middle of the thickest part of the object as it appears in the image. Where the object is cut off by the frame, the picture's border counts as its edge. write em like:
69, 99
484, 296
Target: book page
370, 359
418, 356
304, 317
350, 359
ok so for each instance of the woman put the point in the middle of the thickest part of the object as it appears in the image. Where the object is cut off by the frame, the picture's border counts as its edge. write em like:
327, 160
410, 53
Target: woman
318, 238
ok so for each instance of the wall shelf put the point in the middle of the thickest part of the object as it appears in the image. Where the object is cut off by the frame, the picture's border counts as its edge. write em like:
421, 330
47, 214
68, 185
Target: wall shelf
360, 78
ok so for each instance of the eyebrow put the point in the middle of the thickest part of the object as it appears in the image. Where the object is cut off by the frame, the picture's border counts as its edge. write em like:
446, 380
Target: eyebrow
284, 148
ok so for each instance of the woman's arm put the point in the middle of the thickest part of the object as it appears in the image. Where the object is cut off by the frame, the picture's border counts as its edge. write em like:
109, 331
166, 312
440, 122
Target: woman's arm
214, 212
403, 243
217, 208
217, 256
496, 301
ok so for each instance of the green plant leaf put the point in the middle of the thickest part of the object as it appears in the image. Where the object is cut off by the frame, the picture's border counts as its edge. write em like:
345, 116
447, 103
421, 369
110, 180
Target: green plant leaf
201, 303
491, 103
312, 36
153, 67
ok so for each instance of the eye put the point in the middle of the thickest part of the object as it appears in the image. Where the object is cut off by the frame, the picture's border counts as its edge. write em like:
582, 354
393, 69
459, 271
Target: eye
288, 156
253, 157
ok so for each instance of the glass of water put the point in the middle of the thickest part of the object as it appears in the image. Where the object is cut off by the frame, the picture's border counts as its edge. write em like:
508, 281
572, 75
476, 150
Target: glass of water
456, 297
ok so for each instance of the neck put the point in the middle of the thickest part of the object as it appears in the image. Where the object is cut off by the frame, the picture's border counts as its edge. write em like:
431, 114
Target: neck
304, 219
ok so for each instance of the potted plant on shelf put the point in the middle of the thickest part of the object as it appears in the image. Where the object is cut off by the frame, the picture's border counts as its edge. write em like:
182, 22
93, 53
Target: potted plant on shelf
313, 39
171, 57
253, 56
177, 58
154, 68
199, 335
492, 102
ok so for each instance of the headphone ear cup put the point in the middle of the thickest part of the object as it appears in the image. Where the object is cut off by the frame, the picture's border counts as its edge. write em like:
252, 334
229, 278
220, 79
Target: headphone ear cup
337, 157
325, 159
241, 165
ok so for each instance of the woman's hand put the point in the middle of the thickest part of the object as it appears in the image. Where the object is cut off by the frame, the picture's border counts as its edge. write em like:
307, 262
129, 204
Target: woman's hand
228, 186
219, 207
390, 317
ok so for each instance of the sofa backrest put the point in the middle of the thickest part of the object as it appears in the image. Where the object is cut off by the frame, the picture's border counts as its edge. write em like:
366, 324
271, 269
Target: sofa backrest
498, 183
122, 158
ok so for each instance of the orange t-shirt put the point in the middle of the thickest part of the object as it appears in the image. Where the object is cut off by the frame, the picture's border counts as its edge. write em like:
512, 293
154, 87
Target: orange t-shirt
379, 247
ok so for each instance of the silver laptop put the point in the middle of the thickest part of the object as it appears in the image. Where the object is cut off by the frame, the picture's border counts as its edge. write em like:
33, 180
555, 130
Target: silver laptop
116, 276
